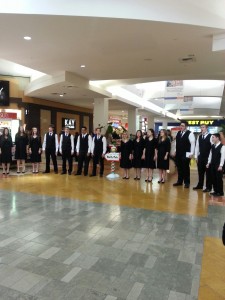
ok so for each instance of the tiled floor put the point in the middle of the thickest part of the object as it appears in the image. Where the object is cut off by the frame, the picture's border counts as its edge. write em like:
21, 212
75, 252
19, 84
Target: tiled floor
58, 248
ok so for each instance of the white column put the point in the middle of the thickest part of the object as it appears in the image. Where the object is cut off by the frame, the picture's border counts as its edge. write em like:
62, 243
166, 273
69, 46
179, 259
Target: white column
101, 113
132, 120
151, 123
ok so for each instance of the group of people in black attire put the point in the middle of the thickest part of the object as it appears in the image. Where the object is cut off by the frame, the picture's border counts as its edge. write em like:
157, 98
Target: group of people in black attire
149, 152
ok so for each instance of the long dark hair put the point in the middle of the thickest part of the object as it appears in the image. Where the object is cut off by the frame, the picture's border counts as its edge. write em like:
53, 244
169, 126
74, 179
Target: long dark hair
19, 132
4, 130
137, 133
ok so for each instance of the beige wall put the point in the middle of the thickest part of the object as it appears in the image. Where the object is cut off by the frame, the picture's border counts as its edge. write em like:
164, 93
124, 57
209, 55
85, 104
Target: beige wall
45, 116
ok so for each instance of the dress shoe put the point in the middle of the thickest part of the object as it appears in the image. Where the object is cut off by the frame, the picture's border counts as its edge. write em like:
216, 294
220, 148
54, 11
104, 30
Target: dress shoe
219, 194
101, 175
197, 187
92, 175
45, 172
69, 173
186, 186
177, 184
213, 193
85, 174
56, 172
77, 174
206, 190
63, 173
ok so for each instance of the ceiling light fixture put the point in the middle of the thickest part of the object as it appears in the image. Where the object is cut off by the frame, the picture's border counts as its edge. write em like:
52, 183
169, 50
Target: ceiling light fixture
82, 66
27, 38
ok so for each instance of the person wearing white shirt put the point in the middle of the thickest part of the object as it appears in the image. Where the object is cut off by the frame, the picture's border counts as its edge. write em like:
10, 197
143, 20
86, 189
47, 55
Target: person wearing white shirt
202, 150
215, 163
66, 148
50, 147
185, 146
83, 149
98, 151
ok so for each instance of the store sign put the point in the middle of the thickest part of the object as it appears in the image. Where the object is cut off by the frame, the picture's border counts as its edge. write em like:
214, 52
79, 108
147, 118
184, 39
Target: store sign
71, 123
6, 115
201, 122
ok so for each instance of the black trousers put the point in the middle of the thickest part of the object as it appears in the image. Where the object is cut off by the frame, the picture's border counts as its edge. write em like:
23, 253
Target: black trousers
183, 169
98, 159
202, 170
83, 159
217, 179
66, 156
49, 153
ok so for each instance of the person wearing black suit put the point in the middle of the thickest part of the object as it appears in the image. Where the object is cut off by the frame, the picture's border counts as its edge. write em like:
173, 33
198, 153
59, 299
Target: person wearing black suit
66, 148
185, 146
215, 164
83, 149
202, 150
99, 148
50, 146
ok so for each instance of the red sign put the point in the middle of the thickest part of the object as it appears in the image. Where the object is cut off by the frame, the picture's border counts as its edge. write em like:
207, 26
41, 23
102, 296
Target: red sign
6, 115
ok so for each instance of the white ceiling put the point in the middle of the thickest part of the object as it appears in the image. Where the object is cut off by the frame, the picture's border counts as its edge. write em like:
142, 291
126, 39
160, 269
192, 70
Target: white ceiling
127, 44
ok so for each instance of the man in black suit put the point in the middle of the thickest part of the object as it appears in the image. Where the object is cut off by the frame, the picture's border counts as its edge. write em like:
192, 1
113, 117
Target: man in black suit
66, 148
202, 150
99, 148
83, 149
50, 146
185, 146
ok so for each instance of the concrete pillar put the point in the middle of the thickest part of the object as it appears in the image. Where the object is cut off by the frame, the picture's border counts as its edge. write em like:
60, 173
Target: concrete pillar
101, 113
133, 121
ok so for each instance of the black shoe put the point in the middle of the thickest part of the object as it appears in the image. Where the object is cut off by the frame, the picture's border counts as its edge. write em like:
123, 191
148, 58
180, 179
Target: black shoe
77, 174
45, 172
177, 184
197, 187
213, 194
186, 186
85, 174
206, 190
63, 173
56, 172
101, 175
69, 173
220, 194
92, 175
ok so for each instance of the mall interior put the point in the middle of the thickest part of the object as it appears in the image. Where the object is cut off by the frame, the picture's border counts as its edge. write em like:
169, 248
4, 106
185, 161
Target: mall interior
133, 65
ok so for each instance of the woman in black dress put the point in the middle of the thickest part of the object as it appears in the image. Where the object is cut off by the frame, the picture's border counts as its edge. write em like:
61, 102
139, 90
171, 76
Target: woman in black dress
138, 145
163, 155
150, 154
126, 149
21, 142
6, 147
35, 148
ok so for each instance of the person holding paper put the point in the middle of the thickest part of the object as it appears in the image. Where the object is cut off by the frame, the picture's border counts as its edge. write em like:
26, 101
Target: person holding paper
185, 146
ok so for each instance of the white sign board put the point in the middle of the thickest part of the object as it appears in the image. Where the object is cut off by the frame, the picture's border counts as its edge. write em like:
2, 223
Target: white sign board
112, 156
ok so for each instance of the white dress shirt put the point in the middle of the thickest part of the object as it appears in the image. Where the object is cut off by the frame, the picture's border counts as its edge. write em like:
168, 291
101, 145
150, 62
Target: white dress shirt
56, 142
197, 151
104, 144
222, 151
89, 143
61, 141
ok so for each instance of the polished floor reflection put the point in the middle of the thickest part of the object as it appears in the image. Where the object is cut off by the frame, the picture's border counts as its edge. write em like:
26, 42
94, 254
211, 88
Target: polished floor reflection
76, 237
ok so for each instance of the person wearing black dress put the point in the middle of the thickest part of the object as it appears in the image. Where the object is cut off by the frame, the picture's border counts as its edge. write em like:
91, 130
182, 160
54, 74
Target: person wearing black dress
126, 149
150, 154
163, 155
21, 143
6, 147
35, 148
138, 148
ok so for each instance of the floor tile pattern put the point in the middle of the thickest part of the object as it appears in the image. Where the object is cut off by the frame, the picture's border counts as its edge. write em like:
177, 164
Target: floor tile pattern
57, 248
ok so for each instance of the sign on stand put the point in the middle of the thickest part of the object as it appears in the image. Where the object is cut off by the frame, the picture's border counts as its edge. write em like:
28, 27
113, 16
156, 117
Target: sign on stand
113, 157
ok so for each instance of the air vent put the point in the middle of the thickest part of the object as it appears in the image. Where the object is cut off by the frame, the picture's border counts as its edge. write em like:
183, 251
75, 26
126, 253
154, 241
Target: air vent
187, 59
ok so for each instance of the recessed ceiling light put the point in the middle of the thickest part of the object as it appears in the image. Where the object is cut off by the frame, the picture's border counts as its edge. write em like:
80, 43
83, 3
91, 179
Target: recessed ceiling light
61, 95
122, 110
27, 38
82, 66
